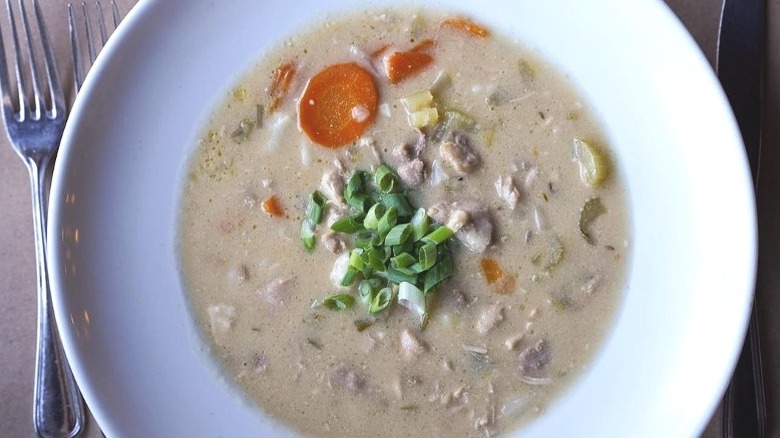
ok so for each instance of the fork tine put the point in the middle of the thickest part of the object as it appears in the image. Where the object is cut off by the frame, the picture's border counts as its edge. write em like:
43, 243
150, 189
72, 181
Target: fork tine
5, 83
20, 81
75, 46
90, 41
101, 24
115, 13
38, 104
56, 93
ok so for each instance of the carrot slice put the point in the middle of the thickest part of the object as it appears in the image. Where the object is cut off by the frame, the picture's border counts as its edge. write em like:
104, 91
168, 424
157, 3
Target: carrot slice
272, 207
280, 85
403, 65
467, 26
338, 104
378, 52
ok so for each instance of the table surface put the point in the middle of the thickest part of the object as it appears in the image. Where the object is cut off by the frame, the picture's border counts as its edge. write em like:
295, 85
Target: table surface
17, 264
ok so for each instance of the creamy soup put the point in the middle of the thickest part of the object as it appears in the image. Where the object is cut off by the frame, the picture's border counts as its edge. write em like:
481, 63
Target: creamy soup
464, 312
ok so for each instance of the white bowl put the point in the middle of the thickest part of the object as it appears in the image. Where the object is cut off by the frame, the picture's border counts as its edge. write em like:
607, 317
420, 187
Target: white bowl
120, 301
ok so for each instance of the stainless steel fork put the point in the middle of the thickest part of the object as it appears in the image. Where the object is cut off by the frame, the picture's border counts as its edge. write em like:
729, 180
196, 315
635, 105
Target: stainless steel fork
34, 115
81, 61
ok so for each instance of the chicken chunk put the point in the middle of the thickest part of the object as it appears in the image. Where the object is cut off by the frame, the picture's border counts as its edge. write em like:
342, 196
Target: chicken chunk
412, 174
491, 316
411, 347
459, 153
477, 233
533, 361
332, 186
507, 191
333, 242
276, 292
344, 377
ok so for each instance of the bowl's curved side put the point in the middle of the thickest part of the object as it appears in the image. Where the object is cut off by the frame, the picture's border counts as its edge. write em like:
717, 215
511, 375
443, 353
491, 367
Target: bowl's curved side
117, 292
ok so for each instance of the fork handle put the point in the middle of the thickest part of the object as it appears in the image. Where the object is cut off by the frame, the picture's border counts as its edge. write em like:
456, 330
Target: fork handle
58, 411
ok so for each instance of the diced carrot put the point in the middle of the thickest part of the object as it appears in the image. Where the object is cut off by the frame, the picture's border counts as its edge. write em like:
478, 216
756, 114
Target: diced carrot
403, 65
467, 26
492, 270
272, 207
423, 45
499, 281
280, 85
338, 104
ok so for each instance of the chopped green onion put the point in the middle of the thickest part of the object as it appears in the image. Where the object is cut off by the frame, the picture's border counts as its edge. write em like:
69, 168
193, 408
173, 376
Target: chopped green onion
399, 202
371, 222
387, 222
349, 224
420, 223
354, 185
396, 275
338, 302
373, 258
438, 273
385, 179
402, 260
427, 256
367, 289
359, 201
438, 235
355, 261
381, 300
407, 246
398, 234
349, 277
307, 235
315, 207
412, 298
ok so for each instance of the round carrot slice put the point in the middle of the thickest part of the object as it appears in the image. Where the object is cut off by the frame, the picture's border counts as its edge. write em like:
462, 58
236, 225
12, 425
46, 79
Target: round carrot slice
338, 104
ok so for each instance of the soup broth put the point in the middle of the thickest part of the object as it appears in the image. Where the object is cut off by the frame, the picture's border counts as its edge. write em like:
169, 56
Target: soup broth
491, 142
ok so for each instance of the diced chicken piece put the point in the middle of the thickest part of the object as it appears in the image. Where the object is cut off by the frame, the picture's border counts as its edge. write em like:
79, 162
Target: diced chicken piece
454, 298
333, 242
276, 292
408, 151
533, 361
507, 191
412, 174
477, 233
491, 316
340, 267
411, 347
459, 153
332, 186
221, 319
344, 377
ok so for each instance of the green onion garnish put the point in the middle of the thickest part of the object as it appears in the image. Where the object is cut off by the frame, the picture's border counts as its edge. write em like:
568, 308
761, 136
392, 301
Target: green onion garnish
338, 302
438, 235
398, 234
371, 222
420, 223
385, 179
307, 235
381, 300
349, 224
398, 253
315, 207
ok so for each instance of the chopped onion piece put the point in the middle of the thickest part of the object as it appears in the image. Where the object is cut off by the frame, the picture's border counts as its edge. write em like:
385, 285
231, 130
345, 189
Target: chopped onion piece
384, 109
417, 101
412, 298
475, 349
305, 153
516, 407
278, 124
